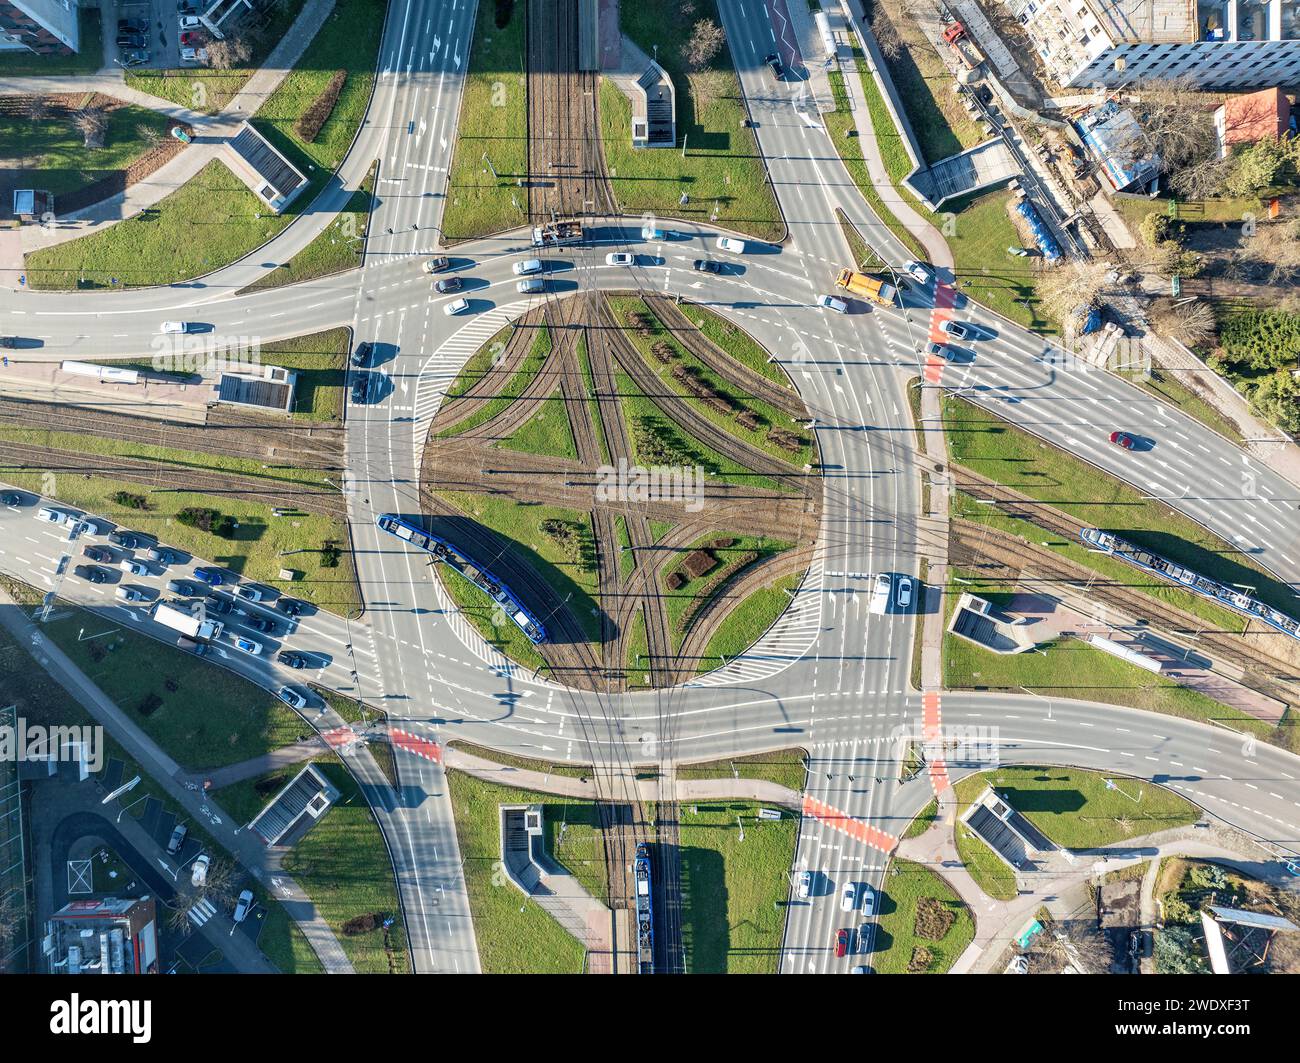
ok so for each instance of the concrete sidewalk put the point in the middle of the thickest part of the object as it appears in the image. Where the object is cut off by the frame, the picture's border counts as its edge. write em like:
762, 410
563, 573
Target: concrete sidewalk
247, 849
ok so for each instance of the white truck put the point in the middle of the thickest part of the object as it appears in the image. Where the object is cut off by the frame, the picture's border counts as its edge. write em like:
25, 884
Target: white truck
880, 593
179, 618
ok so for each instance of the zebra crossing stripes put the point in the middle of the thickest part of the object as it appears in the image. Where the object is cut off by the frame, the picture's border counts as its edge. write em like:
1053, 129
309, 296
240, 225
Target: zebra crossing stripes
857, 829
785, 642
202, 911
424, 748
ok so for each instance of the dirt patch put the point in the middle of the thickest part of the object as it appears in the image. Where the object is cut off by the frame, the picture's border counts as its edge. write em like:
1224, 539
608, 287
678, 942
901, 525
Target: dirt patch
921, 960
933, 919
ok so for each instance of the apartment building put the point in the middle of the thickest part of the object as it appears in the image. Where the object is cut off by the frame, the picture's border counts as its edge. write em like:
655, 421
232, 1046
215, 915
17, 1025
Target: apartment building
47, 27
1237, 44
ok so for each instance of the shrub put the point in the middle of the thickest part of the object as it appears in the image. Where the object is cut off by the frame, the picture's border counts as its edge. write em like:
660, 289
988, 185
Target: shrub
362, 924
1261, 339
309, 123
505, 8
330, 554
1154, 229
130, 501
200, 518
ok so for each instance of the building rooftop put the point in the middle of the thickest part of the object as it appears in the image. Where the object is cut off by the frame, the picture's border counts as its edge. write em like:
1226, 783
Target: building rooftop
1148, 21
113, 935
1252, 117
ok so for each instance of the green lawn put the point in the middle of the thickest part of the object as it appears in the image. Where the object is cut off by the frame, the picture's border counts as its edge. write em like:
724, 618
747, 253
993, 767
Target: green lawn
1136, 207
203, 715
493, 122
748, 621
994, 448
695, 593
213, 219
320, 360
336, 249
781, 766
638, 649
481, 611
87, 59
546, 432
56, 150
1070, 668
521, 524
903, 947
207, 90
593, 407
923, 820
254, 552
514, 935
722, 166
1074, 808
733, 892
528, 369
510, 760
736, 342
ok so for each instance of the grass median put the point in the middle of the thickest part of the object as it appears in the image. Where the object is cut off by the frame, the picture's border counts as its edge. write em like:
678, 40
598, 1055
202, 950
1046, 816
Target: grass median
748, 621
923, 926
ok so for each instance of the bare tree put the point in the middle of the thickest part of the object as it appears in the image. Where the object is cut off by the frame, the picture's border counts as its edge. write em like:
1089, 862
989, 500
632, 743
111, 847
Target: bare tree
707, 86
1175, 124
1072, 941
91, 122
887, 38
705, 43
35, 108
1069, 285
228, 53
1277, 245
1191, 323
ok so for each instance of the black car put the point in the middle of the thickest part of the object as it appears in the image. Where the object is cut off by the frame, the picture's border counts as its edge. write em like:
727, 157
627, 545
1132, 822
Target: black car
132, 25
99, 553
9, 341
127, 540
262, 624
184, 587
130, 40
448, 284
220, 606
293, 660
161, 555
706, 265
289, 605
92, 573
361, 388
11, 499
774, 62
361, 356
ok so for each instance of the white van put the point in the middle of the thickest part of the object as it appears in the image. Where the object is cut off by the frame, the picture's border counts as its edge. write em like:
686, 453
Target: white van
528, 266
880, 593
174, 326
730, 243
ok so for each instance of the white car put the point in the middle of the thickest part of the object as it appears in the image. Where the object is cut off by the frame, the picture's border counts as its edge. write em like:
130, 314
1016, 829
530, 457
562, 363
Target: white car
437, 265
52, 516
248, 645
174, 327
199, 871
849, 897
918, 272
243, 906
190, 22
805, 885
250, 592
868, 900
456, 306
194, 55
531, 286
133, 567
956, 328
880, 593
649, 232
620, 258
903, 596
291, 697
730, 243
831, 303
128, 594
527, 266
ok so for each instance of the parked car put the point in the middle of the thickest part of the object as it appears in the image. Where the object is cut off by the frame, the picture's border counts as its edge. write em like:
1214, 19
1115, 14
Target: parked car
184, 588
291, 659
51, 515
841, 943
456, 306
730, 243
133, 25
177, 839
127, 540
92, 573
448, 284
99, 553
210, 576
437, 265
849, 897
190, 22
620, 258
244, 905
292, 698
248, 645
831, 303
132, 567
131, 40
199, 870
161, 555
706, 265
130, 594
194, 55
136, 58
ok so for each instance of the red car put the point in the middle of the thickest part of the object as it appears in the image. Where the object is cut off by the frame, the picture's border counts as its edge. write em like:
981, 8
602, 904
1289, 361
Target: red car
1123, 439
190, 40
98, 553
841, 943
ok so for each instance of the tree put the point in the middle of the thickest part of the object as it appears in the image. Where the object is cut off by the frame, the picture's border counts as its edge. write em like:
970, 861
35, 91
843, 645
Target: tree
1190, 323
35, 108
1068, 285
91, 122
1277, 398
1176, 126
705, 43
1256, 168
1177, 952
1073, 941
1275, 247
1154, 229
707, 86
887, 38
228, 53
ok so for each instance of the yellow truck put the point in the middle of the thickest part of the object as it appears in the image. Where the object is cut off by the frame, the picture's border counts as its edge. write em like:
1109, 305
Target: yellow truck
867, 287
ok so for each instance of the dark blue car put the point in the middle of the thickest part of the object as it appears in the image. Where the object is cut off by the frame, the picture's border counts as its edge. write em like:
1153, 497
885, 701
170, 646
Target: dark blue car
209, 576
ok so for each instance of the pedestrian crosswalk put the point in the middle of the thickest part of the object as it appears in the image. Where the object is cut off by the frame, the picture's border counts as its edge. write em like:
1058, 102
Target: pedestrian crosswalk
202, 911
